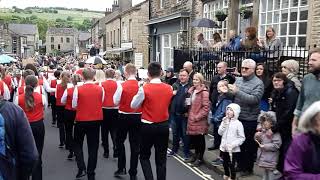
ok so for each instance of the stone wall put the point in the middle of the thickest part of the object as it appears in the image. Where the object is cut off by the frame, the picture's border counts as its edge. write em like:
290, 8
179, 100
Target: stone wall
313, 37
64, 46
197, 13
140, 31
113, 26
170, 7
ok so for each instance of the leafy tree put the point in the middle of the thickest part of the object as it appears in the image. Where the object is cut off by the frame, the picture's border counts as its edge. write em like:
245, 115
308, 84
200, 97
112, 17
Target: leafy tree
69, 18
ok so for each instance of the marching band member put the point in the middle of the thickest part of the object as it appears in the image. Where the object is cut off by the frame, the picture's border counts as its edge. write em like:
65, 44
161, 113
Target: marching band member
88, 100
155, 127
129, 122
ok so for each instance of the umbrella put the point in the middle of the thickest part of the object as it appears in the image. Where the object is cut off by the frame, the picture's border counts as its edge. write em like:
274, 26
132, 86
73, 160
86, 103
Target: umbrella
5, 59
204, 22
95, 60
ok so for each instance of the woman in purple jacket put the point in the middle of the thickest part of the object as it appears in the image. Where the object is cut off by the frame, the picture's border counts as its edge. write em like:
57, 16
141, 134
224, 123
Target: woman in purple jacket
303, 157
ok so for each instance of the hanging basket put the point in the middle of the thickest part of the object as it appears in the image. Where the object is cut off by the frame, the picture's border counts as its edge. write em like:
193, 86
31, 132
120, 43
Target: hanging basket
221, 17
247, 14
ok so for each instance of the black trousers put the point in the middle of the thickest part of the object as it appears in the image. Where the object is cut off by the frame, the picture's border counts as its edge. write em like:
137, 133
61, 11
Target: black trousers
52, 101
110, 118
249, 147
199, 144
129, 124
69, 117
229, 164
38, 132
156, 135
91, 130
61, 124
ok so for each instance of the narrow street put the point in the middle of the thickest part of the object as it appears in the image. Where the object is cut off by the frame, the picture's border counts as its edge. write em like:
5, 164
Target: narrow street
57, 167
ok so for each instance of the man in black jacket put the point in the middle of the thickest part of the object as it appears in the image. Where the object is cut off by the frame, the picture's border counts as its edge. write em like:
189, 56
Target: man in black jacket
19, 138
178, 111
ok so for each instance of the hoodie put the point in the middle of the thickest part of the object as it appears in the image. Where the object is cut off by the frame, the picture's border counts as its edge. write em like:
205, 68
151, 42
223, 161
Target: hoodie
231, 131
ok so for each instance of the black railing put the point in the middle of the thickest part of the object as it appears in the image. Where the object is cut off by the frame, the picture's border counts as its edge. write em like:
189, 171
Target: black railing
205, 61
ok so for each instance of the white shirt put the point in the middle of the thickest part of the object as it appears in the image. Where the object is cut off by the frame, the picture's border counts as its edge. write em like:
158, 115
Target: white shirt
44, 99
6, 92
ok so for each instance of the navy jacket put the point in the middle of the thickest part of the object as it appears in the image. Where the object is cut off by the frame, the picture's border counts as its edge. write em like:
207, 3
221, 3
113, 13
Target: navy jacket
20, 138
219, 110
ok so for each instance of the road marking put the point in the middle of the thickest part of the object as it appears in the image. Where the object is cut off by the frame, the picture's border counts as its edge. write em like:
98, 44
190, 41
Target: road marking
195, 170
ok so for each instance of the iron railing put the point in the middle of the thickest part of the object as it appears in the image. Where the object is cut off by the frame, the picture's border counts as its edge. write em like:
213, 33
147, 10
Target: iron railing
205, 61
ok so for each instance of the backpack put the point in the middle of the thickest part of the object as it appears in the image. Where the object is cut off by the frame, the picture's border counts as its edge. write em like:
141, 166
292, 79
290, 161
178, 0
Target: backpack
7, 160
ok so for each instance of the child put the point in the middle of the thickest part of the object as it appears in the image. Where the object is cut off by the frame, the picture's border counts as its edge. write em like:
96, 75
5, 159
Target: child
219, 111
269, 144
232, 133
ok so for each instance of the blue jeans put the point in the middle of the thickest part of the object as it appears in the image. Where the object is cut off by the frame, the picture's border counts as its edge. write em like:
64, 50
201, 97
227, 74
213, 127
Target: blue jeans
179, 130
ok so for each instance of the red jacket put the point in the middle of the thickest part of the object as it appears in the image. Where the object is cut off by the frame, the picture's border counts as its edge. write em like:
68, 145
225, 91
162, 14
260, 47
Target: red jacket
110, 87
129, 90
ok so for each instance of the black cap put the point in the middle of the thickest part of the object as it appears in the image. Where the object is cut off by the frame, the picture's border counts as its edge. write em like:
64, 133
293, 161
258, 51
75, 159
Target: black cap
169, 69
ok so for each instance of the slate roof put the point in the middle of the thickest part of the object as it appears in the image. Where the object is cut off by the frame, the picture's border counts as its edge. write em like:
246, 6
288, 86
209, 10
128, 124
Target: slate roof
24, 29
61, 31
83, 36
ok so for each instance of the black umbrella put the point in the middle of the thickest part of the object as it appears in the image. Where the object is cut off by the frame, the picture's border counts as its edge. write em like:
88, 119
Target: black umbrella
204, 22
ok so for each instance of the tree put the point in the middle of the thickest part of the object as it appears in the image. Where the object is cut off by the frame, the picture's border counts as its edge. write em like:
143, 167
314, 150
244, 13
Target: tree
33, 17
69, 18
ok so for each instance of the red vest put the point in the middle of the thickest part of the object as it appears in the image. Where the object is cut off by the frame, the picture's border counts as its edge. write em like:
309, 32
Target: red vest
22, 89
110, 88
59, 94
89, 105
2, 83
40, 81
156, 103
53, 84
8, 81
79, 71
69, 99
129, 90
35, 114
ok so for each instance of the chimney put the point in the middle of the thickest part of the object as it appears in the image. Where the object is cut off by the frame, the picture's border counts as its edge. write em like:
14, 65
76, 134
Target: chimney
124, 4
115, 6
108, 11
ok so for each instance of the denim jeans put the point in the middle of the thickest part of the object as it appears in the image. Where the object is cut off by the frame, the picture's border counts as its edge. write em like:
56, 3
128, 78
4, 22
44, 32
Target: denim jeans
179, 130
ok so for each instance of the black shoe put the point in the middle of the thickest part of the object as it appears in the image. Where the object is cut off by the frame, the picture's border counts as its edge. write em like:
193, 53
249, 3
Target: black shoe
120, 172
106, 155
81, 173
190, 160
213, 148
197, 163
133, 178
61, 145
70, 156
246, 173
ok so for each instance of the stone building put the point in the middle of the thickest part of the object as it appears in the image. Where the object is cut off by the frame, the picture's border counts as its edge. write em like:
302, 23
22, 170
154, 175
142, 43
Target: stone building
126, 32
169, 27
21, 39
64, 40
84, 42
295, 21
98, 33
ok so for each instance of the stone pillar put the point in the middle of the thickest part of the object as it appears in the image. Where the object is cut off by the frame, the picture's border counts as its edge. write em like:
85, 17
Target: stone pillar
233, 14
313, 29
255, 14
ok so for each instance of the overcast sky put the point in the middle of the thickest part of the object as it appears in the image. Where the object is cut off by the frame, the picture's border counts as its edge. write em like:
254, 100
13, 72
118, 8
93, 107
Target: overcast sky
100, 5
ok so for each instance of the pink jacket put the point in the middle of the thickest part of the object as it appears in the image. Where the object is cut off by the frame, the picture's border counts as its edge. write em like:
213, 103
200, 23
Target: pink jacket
198, 112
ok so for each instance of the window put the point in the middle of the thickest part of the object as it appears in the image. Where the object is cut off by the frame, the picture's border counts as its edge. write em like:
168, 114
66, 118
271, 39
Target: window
52, 46
130, 30
61, 39
161, 3
114, 37
166, 51
107, 38
209, 11
68, 40
111, 40
289, 18
118, 36
52, 39
59, 47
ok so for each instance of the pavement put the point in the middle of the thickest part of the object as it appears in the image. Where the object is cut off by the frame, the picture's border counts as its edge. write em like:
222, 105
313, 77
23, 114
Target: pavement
209, 156
57, 167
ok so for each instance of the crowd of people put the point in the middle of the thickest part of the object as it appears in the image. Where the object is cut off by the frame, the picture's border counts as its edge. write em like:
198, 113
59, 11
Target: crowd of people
273, 120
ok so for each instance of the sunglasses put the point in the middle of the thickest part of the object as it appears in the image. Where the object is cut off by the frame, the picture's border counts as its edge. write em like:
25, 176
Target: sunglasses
245, 68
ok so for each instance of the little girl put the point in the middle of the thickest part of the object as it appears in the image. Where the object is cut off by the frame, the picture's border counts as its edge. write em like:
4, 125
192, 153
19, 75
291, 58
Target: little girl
232, 133
269, 144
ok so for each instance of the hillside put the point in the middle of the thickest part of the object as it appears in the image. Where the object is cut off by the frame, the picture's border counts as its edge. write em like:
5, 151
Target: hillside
50, 17
77, 16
